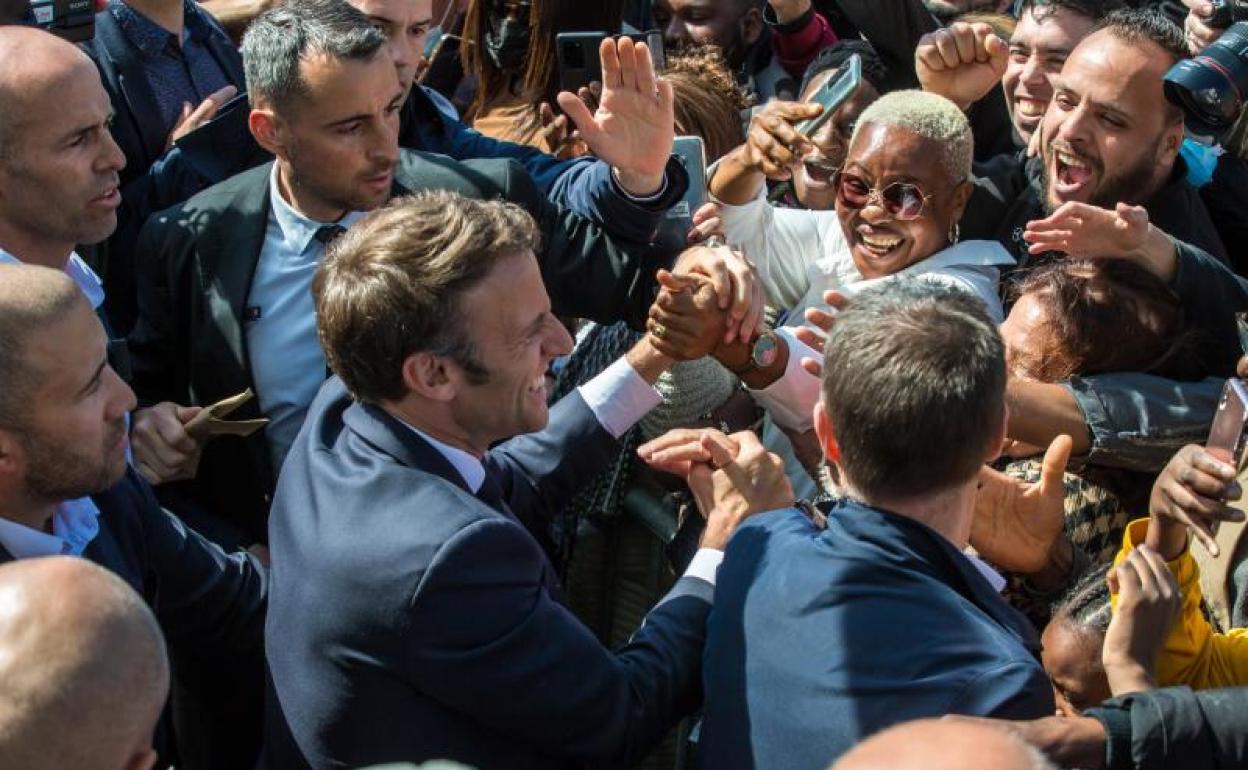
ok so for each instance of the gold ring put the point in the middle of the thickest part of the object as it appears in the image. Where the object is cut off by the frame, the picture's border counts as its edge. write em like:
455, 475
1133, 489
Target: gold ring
660, 331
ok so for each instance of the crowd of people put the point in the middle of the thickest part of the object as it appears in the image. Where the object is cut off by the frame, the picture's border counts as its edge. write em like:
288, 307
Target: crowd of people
374, 391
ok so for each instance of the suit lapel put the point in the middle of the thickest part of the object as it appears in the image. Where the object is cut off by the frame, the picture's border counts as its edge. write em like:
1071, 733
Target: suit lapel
229, 248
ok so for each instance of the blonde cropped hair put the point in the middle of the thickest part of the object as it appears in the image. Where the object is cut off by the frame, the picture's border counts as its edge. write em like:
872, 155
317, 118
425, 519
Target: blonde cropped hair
931, 117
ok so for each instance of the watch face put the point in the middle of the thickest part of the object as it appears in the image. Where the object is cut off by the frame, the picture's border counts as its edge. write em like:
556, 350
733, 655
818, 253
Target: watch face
765, 351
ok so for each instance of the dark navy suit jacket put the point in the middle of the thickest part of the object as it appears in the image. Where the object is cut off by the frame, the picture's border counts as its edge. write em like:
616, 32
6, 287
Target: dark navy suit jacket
820, 638
409, 620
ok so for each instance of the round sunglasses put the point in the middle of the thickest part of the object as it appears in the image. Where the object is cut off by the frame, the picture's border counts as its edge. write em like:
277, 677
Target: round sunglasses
900, 200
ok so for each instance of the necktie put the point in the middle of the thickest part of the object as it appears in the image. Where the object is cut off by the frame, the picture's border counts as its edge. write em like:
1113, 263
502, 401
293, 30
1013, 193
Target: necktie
327, 234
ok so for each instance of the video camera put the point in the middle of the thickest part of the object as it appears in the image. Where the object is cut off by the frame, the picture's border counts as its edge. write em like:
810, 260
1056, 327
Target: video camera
73, 20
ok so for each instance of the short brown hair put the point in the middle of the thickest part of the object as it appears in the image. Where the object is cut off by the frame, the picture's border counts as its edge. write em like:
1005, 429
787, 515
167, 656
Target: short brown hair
914, 385
390, 286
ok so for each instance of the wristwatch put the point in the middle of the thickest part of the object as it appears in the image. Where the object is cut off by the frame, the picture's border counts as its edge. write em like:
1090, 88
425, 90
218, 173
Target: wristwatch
763, 353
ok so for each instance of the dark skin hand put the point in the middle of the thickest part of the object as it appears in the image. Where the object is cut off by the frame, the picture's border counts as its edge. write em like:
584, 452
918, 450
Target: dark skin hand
1067, 741
1191, 493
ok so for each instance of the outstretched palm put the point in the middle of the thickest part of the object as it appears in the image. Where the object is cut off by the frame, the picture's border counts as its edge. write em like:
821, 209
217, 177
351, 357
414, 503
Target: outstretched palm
634, 125
1017, 523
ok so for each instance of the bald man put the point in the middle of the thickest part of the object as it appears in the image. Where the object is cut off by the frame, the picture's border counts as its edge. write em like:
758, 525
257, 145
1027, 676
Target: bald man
935, 744
66, 488
59, 165
83, 665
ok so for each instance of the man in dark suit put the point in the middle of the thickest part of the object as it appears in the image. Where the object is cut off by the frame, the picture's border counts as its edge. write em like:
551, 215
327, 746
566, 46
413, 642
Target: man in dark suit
820, 637
65, 486
224, 278
414, 615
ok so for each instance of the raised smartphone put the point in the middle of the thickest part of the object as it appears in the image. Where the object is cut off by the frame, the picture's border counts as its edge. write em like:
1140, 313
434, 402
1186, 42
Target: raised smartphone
838, 88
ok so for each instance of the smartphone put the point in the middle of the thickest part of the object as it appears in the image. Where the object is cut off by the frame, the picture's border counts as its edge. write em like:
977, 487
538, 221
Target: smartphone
579, 60
1230, 421
690, 152
832, 94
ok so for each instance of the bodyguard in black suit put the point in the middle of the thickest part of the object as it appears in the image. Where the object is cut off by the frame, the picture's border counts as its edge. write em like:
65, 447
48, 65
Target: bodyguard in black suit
338, 157
65, 487
414, 615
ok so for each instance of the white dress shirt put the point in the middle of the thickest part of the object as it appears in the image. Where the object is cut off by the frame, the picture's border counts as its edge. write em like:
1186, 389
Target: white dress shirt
618, 398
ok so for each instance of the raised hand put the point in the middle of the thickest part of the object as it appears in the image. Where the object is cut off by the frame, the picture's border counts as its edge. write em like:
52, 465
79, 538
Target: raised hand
731, 477
634, 125
1017, 524
1148, 603
961, 62
773, 145
1191, 493
685, 321
824, 321
735, 280
194, 117
707, 222
1082, 230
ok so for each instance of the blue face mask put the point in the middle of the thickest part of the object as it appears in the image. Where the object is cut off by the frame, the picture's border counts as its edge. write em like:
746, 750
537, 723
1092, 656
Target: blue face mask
1201, 160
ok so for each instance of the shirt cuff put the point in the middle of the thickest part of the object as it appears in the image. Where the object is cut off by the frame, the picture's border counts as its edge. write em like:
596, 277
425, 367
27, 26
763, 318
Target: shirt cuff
791, 399
641, 199
619, 397
705, 564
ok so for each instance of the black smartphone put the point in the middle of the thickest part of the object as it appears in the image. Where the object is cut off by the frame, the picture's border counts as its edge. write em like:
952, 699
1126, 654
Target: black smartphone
580, 63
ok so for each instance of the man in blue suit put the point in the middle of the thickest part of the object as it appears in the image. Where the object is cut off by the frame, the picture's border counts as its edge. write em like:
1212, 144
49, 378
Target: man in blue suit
413, 614
821, 636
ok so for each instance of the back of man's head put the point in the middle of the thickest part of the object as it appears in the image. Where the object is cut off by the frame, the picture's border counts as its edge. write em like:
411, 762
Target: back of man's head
32, 299
914, 388
935, 744
84, 668
391, 286
280, 39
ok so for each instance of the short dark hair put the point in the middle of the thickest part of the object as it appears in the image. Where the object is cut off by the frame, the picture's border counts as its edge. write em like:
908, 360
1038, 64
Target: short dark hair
1138, 25
1091, 9
914, 385
391, 285
31, 298
873, 69
280, 39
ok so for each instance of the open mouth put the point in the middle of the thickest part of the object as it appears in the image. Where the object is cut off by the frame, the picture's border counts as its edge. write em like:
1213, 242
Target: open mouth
879, 245
537, 388
819, 171
1031, 109
1072, 174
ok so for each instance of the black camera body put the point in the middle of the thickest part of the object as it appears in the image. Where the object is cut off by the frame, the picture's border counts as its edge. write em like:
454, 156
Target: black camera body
1211, 87
73, 20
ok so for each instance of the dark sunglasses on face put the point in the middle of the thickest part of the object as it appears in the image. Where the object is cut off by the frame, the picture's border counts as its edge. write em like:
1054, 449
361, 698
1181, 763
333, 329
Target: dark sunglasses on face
901, 200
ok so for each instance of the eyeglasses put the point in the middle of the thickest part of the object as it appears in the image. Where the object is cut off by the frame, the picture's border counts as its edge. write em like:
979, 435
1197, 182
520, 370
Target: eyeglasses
901, 200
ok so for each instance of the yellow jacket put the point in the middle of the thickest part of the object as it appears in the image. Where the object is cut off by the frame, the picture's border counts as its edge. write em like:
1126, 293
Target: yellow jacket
1193, 654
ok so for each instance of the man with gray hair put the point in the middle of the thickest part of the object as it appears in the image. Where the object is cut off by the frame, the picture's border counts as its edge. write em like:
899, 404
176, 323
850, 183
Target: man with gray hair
806, 648
84, 668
